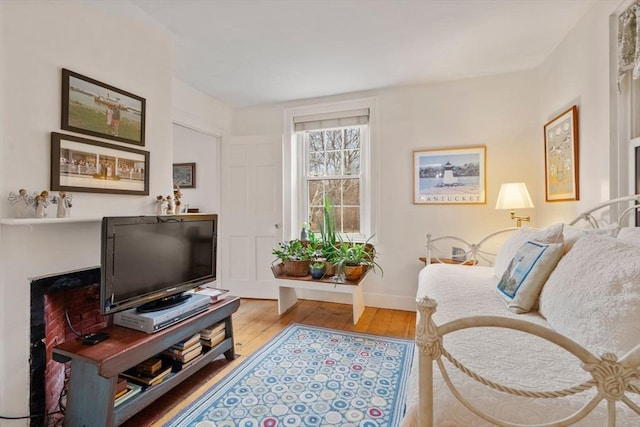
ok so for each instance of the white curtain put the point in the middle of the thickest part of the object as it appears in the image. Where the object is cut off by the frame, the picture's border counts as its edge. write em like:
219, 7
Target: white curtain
629, 42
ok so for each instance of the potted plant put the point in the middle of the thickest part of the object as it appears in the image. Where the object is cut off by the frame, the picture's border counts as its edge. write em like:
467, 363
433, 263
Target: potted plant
296, 256
316, 268
328, 237
353, 259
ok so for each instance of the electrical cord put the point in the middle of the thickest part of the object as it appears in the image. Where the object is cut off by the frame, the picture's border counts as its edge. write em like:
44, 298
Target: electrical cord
25, 417
66, 315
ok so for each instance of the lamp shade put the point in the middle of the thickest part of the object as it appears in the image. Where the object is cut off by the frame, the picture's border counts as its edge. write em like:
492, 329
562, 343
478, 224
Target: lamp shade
514, 195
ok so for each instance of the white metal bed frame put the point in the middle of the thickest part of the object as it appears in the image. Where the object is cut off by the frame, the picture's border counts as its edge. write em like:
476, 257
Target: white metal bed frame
612, 378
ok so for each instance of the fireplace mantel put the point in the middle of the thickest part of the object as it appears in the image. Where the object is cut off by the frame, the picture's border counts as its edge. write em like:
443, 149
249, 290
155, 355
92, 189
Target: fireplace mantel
46, 221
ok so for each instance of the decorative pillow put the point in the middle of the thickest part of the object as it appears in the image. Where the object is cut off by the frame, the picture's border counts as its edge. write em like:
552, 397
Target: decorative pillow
550, 234
630, 235
526, 274
593, 295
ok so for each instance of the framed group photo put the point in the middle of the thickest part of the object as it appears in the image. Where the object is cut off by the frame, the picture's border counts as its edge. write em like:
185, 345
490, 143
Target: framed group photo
449, 176
184, 175
84, 165
99, 109
561, 157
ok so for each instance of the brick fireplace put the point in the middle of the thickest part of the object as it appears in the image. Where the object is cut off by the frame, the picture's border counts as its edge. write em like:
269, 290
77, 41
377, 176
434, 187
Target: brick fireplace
54, 298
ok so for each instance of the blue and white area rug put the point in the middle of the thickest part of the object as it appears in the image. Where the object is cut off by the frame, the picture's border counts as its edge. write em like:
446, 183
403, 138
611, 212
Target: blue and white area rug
310, 376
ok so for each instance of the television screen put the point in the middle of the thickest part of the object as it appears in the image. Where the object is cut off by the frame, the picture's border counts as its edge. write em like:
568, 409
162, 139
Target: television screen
145, 259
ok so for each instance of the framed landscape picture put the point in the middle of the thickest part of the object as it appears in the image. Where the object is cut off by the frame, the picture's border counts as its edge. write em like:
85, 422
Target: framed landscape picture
84, 165
561, 157
449, 176
184, 175
99, 109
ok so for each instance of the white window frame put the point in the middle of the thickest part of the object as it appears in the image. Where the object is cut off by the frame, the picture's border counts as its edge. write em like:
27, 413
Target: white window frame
294, 191
303, 162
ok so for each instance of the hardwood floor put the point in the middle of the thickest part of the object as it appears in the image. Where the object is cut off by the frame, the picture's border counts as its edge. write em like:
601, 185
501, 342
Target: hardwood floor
254, 324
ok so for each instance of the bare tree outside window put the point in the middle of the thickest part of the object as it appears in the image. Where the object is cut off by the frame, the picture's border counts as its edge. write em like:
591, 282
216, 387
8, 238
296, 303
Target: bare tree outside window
333, 170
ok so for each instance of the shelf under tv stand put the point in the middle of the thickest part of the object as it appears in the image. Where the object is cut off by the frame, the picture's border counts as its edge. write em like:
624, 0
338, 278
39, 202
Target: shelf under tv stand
95, 369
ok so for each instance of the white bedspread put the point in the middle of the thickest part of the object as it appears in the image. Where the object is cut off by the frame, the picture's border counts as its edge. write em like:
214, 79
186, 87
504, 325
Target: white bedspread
501, 355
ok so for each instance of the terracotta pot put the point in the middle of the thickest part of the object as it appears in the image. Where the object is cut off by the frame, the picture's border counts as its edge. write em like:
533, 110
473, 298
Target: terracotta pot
329, 269
353, 273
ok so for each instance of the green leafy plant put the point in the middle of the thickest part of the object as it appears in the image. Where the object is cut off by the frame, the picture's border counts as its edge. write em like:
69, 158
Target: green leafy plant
295, 250
351, 254
317, 264
328, 235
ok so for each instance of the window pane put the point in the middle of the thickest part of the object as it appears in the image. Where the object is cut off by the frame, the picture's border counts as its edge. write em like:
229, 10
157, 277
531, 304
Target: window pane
351, 162
334, 191
351, 192
316, 193
334, 160
352, 138
315, 219
339, 219
351, 220
334, 156
316, 164
333, 139
315, 141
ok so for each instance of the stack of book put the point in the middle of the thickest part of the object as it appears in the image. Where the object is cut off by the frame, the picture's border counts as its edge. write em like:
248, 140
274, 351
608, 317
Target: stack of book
121, 386
130, 389
213, 336
148, 373
183, 353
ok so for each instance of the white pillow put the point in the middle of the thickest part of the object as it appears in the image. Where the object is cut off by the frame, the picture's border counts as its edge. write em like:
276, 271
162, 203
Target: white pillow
571, 234
630, 235
526, 274
593, 295
550, 234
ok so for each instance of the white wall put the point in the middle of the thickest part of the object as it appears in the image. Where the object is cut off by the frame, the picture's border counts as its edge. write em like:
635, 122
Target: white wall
38, 39
506, 113
112, 42
498, 111
192, 146
577, 73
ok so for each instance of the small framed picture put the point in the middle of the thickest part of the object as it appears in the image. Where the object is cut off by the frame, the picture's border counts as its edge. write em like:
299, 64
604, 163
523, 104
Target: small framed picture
98, 109
85, 165
453, 176
561, 157
184, 175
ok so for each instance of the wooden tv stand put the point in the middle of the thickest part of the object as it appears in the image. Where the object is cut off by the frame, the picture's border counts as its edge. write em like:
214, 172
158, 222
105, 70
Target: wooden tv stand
95, 368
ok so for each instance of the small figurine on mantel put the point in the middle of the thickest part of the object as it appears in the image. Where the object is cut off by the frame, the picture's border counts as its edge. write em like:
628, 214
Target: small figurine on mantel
63, 200
22, 201
159, 205
177, 195
41, 203
170, 208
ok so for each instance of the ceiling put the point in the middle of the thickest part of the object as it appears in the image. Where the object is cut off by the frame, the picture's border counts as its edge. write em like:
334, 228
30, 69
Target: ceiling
249, 52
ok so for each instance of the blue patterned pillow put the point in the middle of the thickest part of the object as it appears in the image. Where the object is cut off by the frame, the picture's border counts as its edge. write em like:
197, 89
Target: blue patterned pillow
526, 274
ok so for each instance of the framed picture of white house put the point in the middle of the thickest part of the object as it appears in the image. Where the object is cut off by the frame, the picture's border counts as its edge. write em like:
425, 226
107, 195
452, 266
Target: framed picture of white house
455, 176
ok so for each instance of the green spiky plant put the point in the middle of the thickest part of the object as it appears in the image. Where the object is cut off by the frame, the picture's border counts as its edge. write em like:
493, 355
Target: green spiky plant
328, 236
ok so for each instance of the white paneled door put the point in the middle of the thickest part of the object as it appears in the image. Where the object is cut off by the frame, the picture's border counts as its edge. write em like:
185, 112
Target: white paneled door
250, 214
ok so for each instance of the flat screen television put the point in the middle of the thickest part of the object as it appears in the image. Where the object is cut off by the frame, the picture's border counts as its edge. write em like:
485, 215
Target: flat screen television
149, 261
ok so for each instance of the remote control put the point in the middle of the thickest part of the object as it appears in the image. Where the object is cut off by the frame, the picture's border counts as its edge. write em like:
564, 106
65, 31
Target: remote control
95, 338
